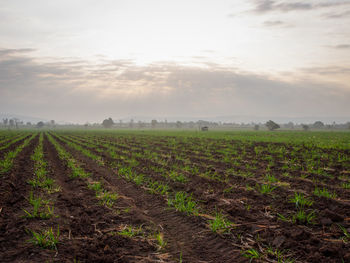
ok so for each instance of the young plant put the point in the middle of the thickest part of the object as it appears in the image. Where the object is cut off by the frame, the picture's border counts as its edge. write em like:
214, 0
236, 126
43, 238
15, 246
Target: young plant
183, 203
160, 240
219, 224
129, 231
177, 177
96, 186
251, 254
46, 238
265, 188
303, 217
324, 192
283, 218
300, 201
346, 237
345, 185
271, 178
107, 198
37, 203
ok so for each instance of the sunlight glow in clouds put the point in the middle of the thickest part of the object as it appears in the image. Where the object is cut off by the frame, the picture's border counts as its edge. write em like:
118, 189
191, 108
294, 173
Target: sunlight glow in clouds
175, 57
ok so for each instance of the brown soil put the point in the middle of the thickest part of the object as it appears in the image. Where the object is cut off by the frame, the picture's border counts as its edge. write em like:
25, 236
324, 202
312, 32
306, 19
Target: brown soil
319, 242
89, 230
185, 235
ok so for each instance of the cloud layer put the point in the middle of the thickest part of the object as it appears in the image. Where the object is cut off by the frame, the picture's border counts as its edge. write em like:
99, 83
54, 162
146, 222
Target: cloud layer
79, 91
265, 6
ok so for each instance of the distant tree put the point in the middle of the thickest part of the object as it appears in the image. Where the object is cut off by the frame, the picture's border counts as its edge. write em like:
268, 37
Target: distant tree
140, 124
318, 125
108, 123
256, 127
289, 125
154, 123
29, 123
40, 124
305, 127
131, 124
5, 121
11, 122
271, 125
178, 124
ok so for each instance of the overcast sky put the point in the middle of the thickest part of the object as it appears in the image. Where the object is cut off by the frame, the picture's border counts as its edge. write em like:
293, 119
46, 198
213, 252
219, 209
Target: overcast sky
84, 60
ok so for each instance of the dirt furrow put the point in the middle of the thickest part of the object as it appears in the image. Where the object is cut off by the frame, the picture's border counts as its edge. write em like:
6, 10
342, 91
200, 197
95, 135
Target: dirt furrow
12, 147
14, 191
186, 235
88, 228
330, 210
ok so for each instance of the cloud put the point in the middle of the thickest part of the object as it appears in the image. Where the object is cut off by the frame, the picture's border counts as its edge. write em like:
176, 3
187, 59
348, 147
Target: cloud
334, 70
342, 46
274, 23
9, 52
336, 15
80, 91
270, 5
265, 6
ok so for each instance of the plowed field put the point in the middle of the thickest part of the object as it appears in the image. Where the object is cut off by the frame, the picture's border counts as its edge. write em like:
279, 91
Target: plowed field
142, 197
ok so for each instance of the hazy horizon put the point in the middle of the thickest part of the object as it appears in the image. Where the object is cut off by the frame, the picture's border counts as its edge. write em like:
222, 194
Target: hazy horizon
83, 61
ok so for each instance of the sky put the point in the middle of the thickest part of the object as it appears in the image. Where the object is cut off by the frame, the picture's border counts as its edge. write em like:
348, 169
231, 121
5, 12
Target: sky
83, 60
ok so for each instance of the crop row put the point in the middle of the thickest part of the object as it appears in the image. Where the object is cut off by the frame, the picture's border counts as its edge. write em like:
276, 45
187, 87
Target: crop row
107, 198
181, 200
7, 162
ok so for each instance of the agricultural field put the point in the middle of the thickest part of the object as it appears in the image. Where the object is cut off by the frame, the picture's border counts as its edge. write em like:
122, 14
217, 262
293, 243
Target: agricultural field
166, 196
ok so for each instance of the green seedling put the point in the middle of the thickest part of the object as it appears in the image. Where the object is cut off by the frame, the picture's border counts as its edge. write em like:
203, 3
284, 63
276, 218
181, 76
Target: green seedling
278, 255
282, 218
96, 186
177, 177
346, 237
249, 188
219, 224
251, 254
324, 192
265, 188
46, 239
156, 187
271, 178
302, 217
107, 198
345, 185
36, 203
139, 179
160, 240
228, 190
129, 231
300, 201
183, 203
